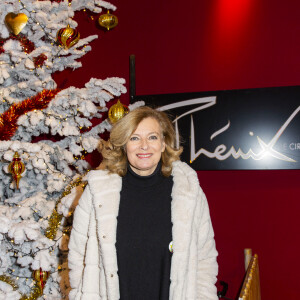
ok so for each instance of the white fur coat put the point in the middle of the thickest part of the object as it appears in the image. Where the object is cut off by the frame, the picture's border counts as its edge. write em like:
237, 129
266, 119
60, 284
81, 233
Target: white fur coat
92, 251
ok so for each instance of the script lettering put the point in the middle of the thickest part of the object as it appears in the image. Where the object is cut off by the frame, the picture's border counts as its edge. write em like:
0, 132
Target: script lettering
267, 149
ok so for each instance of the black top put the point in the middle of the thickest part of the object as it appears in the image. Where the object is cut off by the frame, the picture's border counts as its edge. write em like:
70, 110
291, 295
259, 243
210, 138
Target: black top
144, 233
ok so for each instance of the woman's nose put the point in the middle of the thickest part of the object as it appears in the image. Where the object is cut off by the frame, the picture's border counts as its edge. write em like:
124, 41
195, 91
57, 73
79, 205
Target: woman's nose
144, 144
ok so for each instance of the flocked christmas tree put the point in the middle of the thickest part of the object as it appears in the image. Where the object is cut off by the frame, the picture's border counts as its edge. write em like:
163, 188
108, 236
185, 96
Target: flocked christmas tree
41, 182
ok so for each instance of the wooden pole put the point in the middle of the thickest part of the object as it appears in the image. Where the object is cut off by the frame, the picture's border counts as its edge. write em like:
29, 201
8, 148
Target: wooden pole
132, 77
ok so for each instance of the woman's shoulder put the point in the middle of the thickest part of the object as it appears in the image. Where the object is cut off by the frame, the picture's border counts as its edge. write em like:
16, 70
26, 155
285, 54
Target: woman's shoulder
93, 174
184, 175
187, 183
103, 180
182, 168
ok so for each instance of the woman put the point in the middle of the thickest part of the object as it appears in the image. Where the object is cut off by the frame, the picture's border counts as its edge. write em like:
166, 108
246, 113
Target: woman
142, 229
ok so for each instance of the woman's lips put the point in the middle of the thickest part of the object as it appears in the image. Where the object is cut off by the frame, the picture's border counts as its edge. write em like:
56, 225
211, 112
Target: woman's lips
146, 155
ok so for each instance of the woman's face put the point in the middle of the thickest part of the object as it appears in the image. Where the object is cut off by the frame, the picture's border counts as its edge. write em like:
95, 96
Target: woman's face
145, 146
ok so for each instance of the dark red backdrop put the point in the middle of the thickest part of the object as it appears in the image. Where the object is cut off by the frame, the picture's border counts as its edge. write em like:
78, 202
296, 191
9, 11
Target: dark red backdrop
212, 45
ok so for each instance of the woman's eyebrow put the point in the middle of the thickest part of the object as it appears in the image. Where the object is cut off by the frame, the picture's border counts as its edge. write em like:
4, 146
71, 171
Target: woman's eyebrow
154, 132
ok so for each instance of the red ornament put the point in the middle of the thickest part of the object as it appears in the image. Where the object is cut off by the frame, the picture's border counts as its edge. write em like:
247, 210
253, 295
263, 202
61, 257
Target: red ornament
68, 37
1, 45
27, 45
8, 120
2, 41
57, 1
39, 60
16, 168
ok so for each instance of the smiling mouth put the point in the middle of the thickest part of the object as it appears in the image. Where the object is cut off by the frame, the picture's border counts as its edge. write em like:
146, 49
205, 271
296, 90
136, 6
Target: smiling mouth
143, 155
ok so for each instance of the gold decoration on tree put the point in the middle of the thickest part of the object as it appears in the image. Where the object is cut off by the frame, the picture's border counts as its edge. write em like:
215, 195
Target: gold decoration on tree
10, 281
16, 22
16, 168
117, 112
53, 224
40, 277
67, 37
108, 21
36, 292
56, 218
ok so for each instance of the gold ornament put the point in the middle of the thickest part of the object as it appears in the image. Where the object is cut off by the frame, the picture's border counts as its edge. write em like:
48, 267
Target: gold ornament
16, 168
36, 292
108, 20
68, 37
55, 219
16, 22
117, 112
53, 225
9, 281
40, 277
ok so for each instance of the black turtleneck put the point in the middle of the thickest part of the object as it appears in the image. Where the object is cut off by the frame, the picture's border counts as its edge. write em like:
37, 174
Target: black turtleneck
144, 232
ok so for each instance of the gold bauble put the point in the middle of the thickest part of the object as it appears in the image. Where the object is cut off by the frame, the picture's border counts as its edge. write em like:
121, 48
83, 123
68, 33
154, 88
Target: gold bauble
117, 112
16, 168
16, 22
108, 20
68, 37
40, 277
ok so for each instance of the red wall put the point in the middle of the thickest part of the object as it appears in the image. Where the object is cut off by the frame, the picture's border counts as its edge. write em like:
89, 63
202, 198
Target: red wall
212, 45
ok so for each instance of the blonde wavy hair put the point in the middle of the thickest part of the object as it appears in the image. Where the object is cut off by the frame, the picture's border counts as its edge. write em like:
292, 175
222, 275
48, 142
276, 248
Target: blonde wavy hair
113, 150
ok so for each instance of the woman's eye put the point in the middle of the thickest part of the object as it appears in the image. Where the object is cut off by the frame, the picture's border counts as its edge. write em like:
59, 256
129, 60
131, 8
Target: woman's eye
134, 138
153, 137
